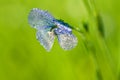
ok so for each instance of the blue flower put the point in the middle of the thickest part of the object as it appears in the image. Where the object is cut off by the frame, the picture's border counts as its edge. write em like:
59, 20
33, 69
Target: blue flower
48, 27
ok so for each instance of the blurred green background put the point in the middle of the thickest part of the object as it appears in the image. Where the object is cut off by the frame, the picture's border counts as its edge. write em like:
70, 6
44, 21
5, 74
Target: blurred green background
96, 57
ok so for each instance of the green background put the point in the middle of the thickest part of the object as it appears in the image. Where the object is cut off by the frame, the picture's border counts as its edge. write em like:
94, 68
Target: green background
96, 56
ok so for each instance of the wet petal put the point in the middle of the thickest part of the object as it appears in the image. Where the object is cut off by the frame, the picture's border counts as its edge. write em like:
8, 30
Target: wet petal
67, 41
46, 38
40, 18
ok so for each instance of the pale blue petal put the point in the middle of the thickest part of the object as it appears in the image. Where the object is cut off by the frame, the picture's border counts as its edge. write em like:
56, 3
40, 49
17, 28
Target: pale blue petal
40, 18
67, 41
65, 37
46, 38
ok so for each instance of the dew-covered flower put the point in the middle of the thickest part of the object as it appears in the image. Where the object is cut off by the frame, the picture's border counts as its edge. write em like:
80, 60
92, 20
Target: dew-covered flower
48, 27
